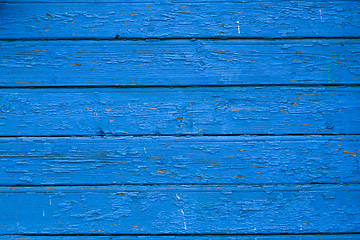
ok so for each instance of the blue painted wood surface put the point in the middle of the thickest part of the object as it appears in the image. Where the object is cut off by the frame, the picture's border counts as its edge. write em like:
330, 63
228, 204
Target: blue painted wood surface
179, 119
185, 209
177, 19
165, 111
179, 62
179, 160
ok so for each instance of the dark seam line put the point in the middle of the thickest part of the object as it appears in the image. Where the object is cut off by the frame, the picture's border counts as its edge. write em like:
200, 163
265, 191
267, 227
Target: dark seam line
178, 135
189, 234
174, 184
172, 38
182, 86
102, 2
136, 2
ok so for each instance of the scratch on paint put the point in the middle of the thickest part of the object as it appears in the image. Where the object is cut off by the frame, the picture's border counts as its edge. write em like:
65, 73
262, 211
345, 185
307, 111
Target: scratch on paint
238, 27
320, 15
182, 211
328, 70
43, 213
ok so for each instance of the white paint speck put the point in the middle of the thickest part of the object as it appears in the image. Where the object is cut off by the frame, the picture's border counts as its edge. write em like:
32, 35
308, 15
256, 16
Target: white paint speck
145, 149
177, 196
238, 27
320, 15
50, 201
43, 213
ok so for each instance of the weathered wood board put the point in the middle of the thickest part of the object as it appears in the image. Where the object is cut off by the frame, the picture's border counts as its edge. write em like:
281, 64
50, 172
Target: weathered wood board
179, 19
184, 209
179, 160
179, 62
165, 111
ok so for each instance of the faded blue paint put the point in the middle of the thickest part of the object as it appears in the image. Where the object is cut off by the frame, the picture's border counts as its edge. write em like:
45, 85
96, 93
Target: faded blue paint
179, 119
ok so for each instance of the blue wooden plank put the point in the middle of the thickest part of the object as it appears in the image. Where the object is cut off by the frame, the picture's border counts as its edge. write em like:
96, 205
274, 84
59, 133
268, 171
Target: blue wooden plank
179, 160
164, 19
202, 237
179, 62
225, 110
180, 209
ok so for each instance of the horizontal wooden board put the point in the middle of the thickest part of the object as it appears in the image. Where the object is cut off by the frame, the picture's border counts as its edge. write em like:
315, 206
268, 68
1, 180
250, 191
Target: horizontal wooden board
179, 160
202, 237
180, 209
165, 19
179, 62
165, 111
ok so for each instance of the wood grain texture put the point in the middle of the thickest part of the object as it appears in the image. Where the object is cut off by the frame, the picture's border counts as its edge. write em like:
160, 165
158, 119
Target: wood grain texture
179, 160
179, 119
202, 237
179, 62
192, 19
180, 209
227, 110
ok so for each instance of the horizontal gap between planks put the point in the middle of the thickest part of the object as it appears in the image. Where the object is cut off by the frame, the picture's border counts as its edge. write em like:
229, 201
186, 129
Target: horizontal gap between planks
175, 184
135, 1
190, 234
182, 86
170, 38
178, 135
